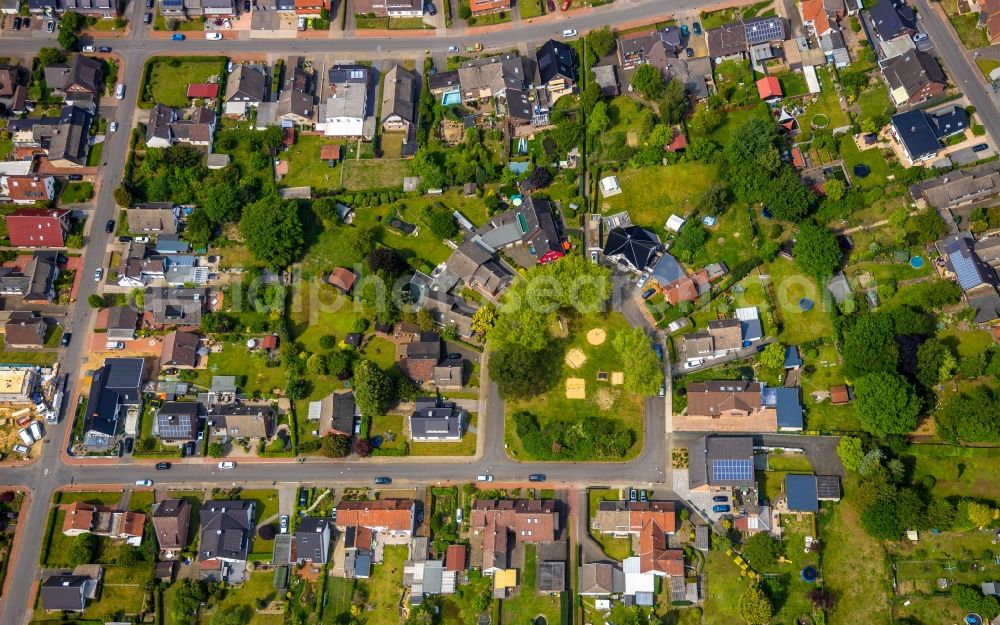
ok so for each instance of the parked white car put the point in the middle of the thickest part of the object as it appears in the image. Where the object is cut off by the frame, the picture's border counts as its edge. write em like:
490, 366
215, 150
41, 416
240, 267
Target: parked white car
227, 464
213, 36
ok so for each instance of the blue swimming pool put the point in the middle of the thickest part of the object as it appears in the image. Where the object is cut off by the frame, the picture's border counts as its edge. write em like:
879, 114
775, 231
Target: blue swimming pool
451, 97
916, 262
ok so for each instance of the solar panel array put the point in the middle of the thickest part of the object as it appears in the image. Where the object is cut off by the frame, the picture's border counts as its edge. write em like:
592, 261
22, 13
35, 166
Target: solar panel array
732, 470
177, 427
828, 486
764, 31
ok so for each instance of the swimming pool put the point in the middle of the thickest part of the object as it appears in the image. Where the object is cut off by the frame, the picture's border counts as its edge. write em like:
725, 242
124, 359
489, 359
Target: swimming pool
451, 97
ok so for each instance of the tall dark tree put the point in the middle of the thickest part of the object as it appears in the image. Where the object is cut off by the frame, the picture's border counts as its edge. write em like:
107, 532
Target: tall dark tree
387, 260
816, 251
272, 231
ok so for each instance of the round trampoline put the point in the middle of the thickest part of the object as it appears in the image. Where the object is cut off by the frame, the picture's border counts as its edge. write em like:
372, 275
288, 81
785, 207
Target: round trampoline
376, 441
820, 120
809, 574
974, 619
861, 170
916, 262
806, 304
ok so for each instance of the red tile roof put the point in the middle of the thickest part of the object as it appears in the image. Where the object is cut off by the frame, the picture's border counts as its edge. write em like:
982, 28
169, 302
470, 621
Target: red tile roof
839, 394
269, 341
30, 188
203, 90
455, 558
79, 517
387, 514
330, 152
482, 6
798, 161
654, 555
342, 278
769, 87
34, 227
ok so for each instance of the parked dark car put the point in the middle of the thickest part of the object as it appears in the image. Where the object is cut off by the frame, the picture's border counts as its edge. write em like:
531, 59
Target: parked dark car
75, 177
303, 497
162, 466
659, 350
720, 509
149, 4
552, 6
642, 496
633, 495
104, 49
246, 6
17, 23
697, 28
110, 226
720, 498
189, 449
128, 444
690, 52
125, 239
454, 356
536, 477
979, 147
66, 338
430, 8
25, 22
648, 293
147, 18
383, 481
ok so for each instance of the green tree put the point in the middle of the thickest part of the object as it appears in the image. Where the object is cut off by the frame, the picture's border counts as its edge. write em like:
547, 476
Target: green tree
772, 356
762, 551
935, 362
674, 103
441, 222
647, 80
272, 231
754, 606
316, 364
429, 166
123, 196
83, 550
816, 251
95, 301
834, 189
373, 389
386, 260
870, 346
787, 198
335, 446
881, 521
886, 404
222, 203
199, 227
971, 417
425, 320
215, 450
642, 368
187, 601
601, 41
483, 319
522, 374
979, 514
851, 452
598, 121
689, 241
704, 120
68, 39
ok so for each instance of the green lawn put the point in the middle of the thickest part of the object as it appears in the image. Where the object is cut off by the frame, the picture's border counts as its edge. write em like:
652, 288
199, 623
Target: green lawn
530, 8
6, 147
794, 601
338, 602
305, 169
392, 144
875, 101
374, 174
59, 543
967, 343
528, 604
97, 498
623, 112
824, 416
797, 463
169, 78
872, 158
959, 475
555, 405
986, 66
384, 585
967, 27
793, 84
733, 120
465, 447
94, 155
76, 192
723, 585
615, 548
714, 19
490, 19
141, 501
408, 23
827, 103
650, 202
372, 23
258, 586
235, 359
26, 356
854, 565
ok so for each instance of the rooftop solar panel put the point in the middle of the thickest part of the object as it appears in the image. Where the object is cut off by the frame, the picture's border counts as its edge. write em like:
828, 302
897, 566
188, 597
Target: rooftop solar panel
732, 470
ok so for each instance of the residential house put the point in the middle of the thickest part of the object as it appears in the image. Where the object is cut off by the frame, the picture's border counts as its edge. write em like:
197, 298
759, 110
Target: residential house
534, 224
295, 105
913, 77
128, 526
721, 462
358, 543
25, 329
310, 8
733, 40
175, 307
555, 69
684, 288
335, 413
449, 311
180, 349
989, 18
503, 523
722, 338
103, 9
448, 375
177, 422
631, 247
393, 517
628, 518
68, 593
651, 47
492, 77
65, 139
171, 519
916, 135
203, 90
13, 88
787, 405
695, 73
115, 389
769, 89
36, 227
834, 50
218, 8
801, 494
443, 83
80, 80
249, 421
892, 19
250, 89
79, 518
607, 79
346, 107
389, 8
957, 188
426, 578
477, 265
171, 244
751, 329
418, 358
153, 217
600, 579
226, 532
455, 558
35, 281
482, 7
312, 540
342, 279
27, 189
167, 126
399, 99
175, 8
436, 420
223, 391
727, 405
122, 323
